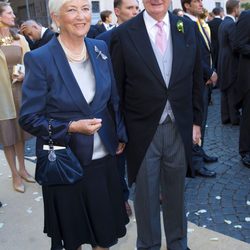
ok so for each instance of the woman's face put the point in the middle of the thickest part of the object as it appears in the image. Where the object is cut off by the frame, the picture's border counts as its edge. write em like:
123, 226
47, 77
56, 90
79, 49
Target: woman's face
74, 18
7, 17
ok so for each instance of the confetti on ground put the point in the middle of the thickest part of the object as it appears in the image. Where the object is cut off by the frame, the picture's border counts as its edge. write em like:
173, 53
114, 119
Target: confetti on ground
4, 205
214, 239
9, 176
190, 230
28, 149
187, 214
247, 219
238, 226
39, 198
202, 211
1, 225
248, 203
35, 193
218, 197
204, 226
33, 158
228, 222
29, 210
134, 220
210, 219
1, 174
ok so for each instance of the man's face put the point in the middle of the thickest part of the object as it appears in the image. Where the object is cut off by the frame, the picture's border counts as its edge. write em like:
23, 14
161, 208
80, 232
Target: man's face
237, 11
33, 32
195, 7
127, 10
157, 8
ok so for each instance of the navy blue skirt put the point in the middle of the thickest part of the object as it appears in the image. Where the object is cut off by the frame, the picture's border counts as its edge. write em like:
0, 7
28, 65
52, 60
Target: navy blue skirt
91, 211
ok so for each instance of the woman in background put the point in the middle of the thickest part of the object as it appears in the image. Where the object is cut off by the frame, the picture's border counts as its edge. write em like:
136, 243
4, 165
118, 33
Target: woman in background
12, 49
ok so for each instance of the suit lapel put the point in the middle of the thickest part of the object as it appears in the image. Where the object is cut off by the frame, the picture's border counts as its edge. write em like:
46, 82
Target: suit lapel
138, 34
68, 78
179, 46
96, 66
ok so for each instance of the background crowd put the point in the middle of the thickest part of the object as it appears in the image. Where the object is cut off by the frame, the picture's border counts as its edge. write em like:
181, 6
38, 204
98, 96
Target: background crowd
138, 58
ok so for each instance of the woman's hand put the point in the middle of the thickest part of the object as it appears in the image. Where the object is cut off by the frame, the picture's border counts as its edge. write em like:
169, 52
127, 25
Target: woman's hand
18, 78
85, 126
120, 148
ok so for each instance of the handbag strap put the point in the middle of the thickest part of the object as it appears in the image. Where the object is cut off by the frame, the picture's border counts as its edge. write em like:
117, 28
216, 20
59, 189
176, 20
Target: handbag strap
51, 143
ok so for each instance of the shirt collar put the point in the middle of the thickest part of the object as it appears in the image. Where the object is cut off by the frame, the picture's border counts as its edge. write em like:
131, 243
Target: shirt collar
150, 22
43, 31
193, 18
232, 17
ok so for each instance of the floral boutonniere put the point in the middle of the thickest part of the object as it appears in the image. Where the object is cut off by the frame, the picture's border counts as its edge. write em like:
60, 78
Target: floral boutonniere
180, 26
99, 53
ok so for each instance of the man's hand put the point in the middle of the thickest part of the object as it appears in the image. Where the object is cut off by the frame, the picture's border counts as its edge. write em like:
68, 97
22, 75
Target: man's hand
85, 126
213, 79
120, 148
196, 134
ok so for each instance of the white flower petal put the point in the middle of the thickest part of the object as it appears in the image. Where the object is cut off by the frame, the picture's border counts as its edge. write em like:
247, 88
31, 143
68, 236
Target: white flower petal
214, 239
248, 203
187, 214
228, 222
237, 226
39, 198
247, 219
204, 226
33, 158
29, 210
4, 205
190, 230
218, 197
202, 211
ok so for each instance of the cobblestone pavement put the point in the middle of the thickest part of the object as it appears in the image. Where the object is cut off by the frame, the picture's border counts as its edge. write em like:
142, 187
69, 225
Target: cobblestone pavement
221, 204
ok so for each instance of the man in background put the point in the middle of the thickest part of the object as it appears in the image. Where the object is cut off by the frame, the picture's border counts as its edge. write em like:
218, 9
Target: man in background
36, 32
214, 27
192, 9
242, 45
106, 22
228, 64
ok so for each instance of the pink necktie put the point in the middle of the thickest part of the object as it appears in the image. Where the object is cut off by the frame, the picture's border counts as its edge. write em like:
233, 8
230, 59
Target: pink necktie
161, 37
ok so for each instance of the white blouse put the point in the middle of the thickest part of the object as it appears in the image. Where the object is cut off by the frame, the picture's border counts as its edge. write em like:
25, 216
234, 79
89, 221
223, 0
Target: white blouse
85, 78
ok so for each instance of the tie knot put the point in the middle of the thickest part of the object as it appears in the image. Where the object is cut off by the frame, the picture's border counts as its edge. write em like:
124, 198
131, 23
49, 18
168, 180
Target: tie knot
160, 25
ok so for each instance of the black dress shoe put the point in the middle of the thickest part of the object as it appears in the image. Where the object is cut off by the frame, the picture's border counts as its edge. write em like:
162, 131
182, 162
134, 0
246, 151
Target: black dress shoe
204, 172
246, 160
209, 159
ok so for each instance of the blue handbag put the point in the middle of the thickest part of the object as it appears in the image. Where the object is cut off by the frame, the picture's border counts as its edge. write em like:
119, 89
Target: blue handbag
57, 167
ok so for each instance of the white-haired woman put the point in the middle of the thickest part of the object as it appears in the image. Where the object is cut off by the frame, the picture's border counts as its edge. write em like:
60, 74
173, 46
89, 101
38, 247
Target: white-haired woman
69, 83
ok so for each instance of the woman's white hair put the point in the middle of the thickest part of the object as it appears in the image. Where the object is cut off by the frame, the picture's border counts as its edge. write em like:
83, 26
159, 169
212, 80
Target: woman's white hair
54, 8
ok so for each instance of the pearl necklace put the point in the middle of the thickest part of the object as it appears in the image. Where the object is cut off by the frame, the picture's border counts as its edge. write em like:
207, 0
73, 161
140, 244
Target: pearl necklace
6, 40
72, 57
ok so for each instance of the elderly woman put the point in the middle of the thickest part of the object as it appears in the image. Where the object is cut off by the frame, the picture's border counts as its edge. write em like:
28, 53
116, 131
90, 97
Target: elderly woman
69, 85
12, 137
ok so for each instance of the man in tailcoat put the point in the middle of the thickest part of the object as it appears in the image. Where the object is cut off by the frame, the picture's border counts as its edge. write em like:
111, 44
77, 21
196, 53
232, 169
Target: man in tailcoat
161, 96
